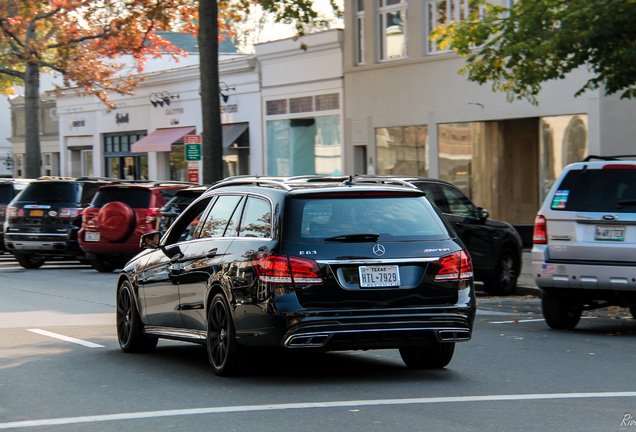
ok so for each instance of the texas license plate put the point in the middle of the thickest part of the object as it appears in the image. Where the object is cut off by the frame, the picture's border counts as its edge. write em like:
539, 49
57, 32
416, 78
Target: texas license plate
609, 233
91, 236
38, 213
379, 276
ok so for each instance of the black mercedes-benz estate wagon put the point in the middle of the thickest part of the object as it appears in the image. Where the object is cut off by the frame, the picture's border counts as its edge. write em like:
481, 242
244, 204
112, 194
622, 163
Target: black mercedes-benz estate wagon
316, 265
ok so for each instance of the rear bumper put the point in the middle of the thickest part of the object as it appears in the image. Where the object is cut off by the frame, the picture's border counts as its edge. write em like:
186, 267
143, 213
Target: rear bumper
381, 330
585, 275
46, 244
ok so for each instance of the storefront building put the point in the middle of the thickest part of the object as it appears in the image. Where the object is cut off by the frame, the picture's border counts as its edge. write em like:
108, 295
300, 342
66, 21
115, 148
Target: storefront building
302, 104
144, 137
407, 111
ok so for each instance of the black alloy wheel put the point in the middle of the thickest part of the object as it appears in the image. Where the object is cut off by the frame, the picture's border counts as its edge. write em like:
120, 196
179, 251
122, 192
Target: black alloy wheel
560, 312
504, 280
435, 356
129, 326
223, 350
28, 261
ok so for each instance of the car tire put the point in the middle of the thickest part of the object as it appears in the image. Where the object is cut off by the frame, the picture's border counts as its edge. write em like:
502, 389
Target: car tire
116, 221
435, 356
560, 312
130, 331
223, 350
102, 266
29, 261
504, 280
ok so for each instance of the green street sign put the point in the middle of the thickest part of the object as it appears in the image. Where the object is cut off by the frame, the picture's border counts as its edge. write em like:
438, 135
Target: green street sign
193, 152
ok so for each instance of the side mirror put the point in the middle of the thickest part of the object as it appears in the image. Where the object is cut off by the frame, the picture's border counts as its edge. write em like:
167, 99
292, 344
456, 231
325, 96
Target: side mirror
150, 240
482, 213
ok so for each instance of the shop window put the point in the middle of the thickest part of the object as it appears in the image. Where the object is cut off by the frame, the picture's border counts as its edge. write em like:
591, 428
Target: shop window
456, 142
563, 140
401, 150
304, 146
120, 161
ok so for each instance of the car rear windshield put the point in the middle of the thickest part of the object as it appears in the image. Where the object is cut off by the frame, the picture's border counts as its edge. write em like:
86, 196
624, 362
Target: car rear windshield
315, 219
134, 197
64, 192
597, 190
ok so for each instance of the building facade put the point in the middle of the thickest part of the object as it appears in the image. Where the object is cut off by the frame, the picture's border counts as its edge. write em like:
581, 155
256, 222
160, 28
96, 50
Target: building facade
407, 111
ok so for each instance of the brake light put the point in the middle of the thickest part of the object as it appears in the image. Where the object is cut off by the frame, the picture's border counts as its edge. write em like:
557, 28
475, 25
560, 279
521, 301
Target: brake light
151, 215
619, 166
540, 235
12, 211
286, 269
455, 267
70, 212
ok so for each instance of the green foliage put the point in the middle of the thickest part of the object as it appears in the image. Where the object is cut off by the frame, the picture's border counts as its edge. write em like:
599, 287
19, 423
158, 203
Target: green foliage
519, 48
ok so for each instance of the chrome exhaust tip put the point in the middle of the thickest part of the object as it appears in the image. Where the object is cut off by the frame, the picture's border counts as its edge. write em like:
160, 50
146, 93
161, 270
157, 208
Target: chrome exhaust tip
453, 335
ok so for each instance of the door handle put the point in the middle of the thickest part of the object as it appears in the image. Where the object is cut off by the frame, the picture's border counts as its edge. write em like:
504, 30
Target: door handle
211, 253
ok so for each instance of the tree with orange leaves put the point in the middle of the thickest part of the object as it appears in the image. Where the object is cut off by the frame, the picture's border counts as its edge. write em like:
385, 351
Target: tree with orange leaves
84, 40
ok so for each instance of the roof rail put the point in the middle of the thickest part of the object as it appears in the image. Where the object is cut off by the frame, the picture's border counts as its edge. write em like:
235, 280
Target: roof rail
607, 158
253, 181
384, 180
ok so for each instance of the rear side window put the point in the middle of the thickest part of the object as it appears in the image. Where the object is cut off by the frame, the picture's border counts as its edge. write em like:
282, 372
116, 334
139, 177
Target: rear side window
63, 192
6, 193
133, 197
598, 190
257, 218
219, 216
393, 218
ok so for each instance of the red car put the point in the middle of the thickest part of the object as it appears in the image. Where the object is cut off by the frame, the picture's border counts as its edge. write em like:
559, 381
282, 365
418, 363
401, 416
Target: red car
116, 219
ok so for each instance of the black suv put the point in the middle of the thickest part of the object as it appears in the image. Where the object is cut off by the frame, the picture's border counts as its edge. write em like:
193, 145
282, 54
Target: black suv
495, 246
43, 221
300, 265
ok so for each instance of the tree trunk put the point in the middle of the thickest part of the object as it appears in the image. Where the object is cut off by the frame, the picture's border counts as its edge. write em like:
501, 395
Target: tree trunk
211, 135
33, 156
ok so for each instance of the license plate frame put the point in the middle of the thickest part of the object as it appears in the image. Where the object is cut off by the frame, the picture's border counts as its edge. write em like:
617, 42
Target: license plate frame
609, 233
91, 236
379, 276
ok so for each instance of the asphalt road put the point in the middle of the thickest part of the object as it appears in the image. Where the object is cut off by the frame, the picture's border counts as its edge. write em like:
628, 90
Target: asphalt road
61, 370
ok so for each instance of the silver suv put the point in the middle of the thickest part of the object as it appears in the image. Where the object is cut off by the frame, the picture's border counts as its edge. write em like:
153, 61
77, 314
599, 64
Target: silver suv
584, 252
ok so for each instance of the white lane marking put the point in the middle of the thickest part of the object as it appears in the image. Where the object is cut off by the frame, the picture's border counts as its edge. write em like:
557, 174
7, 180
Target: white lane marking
528, 320
66, 338
307, 405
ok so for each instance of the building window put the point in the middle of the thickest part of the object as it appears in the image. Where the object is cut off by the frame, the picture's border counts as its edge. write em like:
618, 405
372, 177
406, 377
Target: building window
274, 107
87, 163
402, 150
327, 102
444, 12
392, 22
304, 146
121, 163
301, 104
359, 29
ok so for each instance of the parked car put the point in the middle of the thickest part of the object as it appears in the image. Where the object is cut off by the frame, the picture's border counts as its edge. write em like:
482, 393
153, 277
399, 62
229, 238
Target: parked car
495, 246
117, 217
42, 222
297, 265
9, 188
177, 204
584, 252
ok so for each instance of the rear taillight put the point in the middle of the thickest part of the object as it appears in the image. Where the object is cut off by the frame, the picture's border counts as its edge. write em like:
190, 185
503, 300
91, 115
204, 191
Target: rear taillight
454, 267
12, 211
70, 212
540, 235
286, 269
151, 215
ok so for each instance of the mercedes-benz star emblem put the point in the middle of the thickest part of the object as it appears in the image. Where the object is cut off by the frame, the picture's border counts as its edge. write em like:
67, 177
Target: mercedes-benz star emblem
378, 249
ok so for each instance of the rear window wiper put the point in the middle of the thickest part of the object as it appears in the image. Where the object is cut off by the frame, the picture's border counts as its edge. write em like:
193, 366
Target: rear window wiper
354, 238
